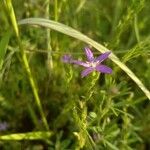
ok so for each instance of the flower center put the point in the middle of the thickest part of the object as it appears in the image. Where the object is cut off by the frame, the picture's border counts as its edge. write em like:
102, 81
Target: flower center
92, 64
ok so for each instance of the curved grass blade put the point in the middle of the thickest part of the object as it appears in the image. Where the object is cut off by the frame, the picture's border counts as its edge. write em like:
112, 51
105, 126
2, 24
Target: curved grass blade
78, 35
27, 136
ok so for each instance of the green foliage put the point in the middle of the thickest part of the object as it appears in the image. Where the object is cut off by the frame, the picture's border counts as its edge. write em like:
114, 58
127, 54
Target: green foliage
38, 92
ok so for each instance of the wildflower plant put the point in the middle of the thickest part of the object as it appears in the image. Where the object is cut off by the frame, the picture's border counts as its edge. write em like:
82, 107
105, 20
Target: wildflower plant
92, 64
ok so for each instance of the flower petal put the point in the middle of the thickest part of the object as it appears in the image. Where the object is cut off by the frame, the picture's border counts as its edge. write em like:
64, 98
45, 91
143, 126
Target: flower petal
102, 57
77, 62
103, 69
87, 71
89, 54
67, 58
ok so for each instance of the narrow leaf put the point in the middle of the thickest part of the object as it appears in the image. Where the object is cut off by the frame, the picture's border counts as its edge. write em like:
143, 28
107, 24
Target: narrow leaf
111, 145
27, 136
3, 47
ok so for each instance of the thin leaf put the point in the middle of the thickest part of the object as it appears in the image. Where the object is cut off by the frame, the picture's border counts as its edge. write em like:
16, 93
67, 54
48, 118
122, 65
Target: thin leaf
3, 47
111, 145
27, 136
78, 35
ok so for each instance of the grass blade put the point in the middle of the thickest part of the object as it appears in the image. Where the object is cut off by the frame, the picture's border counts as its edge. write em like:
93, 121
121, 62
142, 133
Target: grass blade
3, 47
27, 136
111, 145
78, 35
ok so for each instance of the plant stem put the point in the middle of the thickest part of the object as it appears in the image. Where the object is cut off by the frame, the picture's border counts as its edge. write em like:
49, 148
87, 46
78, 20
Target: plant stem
56, 10
48, 40
136, 28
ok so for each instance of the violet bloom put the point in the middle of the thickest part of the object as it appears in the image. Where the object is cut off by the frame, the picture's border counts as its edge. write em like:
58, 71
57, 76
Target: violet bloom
3, 126
92, 64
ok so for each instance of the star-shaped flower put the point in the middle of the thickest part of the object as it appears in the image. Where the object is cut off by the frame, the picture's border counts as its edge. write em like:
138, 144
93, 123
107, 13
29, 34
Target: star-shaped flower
92, 64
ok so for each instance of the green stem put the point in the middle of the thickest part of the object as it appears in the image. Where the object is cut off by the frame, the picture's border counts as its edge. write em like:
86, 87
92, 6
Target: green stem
34, 89
48, 38
56, 10
136, 28
91, 86
10, 11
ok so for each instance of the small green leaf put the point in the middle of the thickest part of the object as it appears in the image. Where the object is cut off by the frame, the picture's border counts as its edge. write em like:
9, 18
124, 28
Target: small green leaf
27, 136
3, 47
111, 145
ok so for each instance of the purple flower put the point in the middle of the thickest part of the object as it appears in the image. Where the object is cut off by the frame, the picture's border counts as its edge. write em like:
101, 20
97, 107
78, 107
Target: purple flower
3, 126
92, 64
